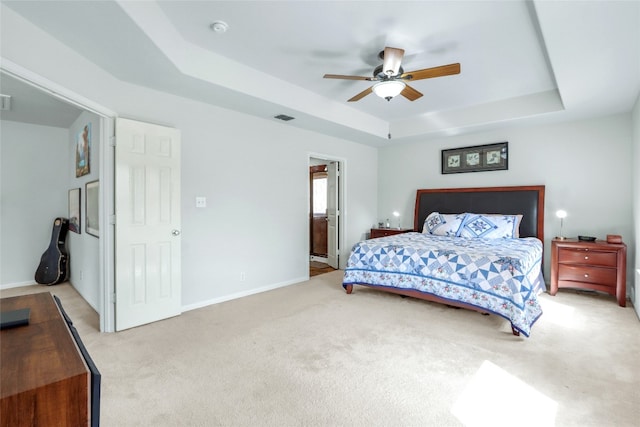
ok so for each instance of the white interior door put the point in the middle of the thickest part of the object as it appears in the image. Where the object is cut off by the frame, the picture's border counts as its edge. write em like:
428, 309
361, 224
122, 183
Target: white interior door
333, 213
147, 206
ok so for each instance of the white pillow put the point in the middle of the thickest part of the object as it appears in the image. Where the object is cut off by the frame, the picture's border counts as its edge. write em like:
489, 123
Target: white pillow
491, 226
439, 224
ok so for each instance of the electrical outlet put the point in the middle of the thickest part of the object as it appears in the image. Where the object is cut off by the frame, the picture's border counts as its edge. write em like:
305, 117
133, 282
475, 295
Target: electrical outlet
201, 202
243, 276
81, 275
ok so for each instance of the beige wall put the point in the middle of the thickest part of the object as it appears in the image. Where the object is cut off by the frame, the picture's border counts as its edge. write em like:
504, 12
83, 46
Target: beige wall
33, 192
584, 165
253, 172
84, 249
635, 161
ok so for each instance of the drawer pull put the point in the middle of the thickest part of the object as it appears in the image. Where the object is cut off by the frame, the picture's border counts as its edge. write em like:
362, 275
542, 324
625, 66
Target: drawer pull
586, 275
586, 257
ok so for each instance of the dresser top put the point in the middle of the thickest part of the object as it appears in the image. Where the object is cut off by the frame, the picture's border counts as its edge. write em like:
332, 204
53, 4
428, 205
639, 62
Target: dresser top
41, 353
602, 244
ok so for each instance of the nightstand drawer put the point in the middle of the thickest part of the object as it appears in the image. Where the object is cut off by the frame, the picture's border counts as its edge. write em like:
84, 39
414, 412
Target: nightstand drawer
586, 256
597, 275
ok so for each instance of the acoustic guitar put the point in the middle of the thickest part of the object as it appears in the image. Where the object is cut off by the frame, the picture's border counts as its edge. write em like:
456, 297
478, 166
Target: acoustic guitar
54, 264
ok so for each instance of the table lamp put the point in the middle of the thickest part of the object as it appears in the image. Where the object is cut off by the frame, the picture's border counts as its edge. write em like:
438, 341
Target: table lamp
397, 215
562, 215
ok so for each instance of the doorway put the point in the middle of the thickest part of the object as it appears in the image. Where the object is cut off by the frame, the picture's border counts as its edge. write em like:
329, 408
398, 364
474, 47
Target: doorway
318, 177
103, 139
324, 215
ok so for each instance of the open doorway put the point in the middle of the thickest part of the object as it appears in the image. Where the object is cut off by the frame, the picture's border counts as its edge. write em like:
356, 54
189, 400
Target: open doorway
324, 215
318, 218
92, 261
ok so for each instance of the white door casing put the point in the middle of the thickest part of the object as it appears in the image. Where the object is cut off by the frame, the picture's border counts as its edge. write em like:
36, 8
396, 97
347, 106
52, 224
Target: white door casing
147, 207
333, 213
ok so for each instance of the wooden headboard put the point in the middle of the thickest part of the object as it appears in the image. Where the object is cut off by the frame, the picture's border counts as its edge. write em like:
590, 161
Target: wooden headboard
527, 201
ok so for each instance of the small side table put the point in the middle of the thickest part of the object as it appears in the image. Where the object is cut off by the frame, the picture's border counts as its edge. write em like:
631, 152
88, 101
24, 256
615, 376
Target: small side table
598, 266
381, 232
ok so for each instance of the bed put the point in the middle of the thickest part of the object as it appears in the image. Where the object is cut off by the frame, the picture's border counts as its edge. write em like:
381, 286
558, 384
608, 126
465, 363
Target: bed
457, 253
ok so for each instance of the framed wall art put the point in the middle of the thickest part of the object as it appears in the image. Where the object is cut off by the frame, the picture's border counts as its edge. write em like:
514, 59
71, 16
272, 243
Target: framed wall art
478, 158
92, 206
75, 217
83, 151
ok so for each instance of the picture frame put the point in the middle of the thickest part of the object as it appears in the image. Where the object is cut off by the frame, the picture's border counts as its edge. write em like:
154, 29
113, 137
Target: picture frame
75, 215
477, 158
92, 208
83, 151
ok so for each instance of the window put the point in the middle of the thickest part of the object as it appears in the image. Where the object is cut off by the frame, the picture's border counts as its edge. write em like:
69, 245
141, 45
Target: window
320, 193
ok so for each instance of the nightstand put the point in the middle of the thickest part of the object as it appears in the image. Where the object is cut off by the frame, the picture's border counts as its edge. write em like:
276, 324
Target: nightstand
598, 265
381, 232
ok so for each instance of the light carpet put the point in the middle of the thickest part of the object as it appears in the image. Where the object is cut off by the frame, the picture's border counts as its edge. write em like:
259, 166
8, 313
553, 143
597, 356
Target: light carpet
310, 355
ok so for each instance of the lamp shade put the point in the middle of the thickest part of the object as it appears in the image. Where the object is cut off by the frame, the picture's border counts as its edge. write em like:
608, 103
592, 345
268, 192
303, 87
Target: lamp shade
562, 214
388, 89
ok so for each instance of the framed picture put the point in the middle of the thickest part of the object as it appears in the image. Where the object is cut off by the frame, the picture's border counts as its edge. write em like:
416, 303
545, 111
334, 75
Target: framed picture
75, 219
83, 151
92, 206
478, 158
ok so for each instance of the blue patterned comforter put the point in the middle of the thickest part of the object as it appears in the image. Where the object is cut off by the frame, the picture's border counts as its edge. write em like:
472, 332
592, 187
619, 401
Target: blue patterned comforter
501, 276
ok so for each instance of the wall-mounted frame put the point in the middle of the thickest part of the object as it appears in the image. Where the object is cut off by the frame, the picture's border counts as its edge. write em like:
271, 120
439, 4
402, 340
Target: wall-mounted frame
92, 206
478, 158
75, 215
83, 151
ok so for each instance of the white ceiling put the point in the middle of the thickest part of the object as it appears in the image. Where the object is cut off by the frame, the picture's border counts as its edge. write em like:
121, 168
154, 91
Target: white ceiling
520, 60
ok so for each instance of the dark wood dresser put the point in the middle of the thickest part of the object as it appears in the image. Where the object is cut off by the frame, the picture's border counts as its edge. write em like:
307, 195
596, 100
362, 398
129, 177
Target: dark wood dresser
44, 379
598, 266
381, 232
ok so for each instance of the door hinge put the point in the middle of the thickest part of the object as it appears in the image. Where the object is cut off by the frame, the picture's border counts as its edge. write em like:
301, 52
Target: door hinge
112, 219
112, 141
113, 298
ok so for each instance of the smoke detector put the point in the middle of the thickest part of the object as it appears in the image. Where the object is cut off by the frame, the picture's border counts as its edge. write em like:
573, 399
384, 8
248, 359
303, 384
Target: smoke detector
219, 27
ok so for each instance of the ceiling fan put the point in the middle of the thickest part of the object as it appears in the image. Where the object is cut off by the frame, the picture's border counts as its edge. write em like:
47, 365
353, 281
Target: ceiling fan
391, 78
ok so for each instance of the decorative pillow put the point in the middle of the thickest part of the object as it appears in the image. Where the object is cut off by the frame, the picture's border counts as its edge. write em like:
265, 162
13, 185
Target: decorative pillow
491, 226
439, 224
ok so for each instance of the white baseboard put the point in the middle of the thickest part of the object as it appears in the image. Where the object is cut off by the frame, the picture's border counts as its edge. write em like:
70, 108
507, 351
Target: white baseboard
17, 285
318, 258
243, 294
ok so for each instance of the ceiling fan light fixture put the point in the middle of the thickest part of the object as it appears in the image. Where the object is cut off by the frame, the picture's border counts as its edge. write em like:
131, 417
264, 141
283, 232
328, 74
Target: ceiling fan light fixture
388, 89
392, 67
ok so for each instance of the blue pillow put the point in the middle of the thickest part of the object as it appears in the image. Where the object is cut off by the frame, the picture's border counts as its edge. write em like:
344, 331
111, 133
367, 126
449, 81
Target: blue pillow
438, 224
490, 226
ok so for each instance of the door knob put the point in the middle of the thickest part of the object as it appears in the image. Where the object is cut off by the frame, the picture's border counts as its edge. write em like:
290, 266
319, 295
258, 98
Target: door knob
175, 232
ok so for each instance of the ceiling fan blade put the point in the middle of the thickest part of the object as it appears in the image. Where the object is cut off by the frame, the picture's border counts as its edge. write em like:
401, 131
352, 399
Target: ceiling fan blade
427, 73
339, 76
361, 95
410, 93
392, 58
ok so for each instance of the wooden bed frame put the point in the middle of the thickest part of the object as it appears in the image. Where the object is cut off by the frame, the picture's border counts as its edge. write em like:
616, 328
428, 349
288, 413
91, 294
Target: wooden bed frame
527, 201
